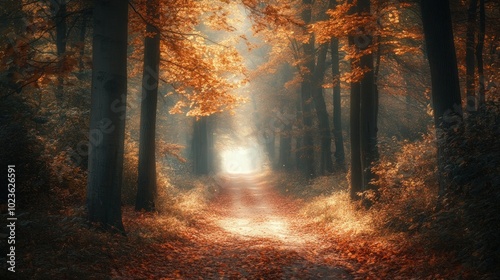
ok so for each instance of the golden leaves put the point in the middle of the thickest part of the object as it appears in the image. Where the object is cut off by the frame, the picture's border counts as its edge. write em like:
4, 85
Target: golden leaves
198, 54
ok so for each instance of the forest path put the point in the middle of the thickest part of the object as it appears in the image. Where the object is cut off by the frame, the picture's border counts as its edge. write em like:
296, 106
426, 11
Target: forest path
249, 231
257, 234
249, 208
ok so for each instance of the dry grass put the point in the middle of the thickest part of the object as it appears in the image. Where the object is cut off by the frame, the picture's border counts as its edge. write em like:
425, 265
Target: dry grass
339, 214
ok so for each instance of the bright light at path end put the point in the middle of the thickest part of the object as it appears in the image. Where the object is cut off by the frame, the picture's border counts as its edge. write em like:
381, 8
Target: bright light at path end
240, 161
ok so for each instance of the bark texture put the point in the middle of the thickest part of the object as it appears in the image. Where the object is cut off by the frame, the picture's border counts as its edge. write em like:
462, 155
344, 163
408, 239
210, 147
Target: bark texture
107, 116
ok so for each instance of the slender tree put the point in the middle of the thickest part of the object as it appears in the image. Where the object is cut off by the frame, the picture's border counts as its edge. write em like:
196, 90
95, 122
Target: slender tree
201, 145
356, 171
82, 35
146, 187
318, 69
299, 138
337, 105
446, 101
479, 53
356, 167
307, 140
326, 164
470, 56
286, 125
368, 103
285, 149
60, 15
107, 115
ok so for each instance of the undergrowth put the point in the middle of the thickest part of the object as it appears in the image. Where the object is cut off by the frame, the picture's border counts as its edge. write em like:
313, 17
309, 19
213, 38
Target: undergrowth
455, 236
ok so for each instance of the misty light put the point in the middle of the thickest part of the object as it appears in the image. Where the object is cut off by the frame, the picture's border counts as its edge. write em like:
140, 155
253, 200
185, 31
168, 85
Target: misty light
240, 160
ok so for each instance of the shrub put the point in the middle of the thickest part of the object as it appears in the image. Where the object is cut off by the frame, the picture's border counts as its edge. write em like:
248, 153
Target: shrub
407, 186
465, 220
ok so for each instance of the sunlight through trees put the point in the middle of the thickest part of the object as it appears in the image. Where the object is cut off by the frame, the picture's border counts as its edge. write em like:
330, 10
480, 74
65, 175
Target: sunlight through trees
249, 139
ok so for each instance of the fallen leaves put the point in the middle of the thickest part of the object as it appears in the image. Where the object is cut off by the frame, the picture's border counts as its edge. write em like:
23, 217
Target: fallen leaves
160, 247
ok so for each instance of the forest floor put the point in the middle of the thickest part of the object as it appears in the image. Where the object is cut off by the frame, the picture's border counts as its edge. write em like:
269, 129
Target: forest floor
248, 230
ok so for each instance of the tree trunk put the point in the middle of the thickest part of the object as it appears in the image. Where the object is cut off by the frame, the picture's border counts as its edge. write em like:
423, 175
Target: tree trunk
107, 116
356, 167
83, 31
469, 57
479, 54
326, 164
285, 151
201, 147
146, 187
355, 133
61, 30
337, 106
306, 87
269, 138
446, 101
299, 159
368, 108
307, 145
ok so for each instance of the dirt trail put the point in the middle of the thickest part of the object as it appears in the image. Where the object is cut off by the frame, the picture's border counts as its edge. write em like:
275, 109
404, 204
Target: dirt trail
251, 209
250, 232
251, 216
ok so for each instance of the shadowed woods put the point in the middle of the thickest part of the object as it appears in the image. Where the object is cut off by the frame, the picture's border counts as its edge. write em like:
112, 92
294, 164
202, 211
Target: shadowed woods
248, 139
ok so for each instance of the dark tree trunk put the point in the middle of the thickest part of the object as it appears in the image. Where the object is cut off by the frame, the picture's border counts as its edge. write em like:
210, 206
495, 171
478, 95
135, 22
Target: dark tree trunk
285, 147
337, 106
470, 57
83, 31
355, 133
201, 146
446, 101
107, 116
307, 144
356, 167
326, 164
479, 54
146, 187
269, 140
61, 33
368, 108
368, 118
306, 88
299, 159
61, 26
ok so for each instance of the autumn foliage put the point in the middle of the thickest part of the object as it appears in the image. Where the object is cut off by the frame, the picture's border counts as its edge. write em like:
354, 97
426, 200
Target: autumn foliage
251, 68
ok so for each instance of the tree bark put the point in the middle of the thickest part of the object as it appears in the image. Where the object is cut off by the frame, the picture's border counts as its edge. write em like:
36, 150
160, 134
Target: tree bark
61, 34
446, 101
479, 54
368, 108
326, 164
355, 132
470, 58
146, 187
83, 31
306, 87
270, 139
307, 144
337, 105
299, 158
356, 167
201, 146
107, 116
285, 147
